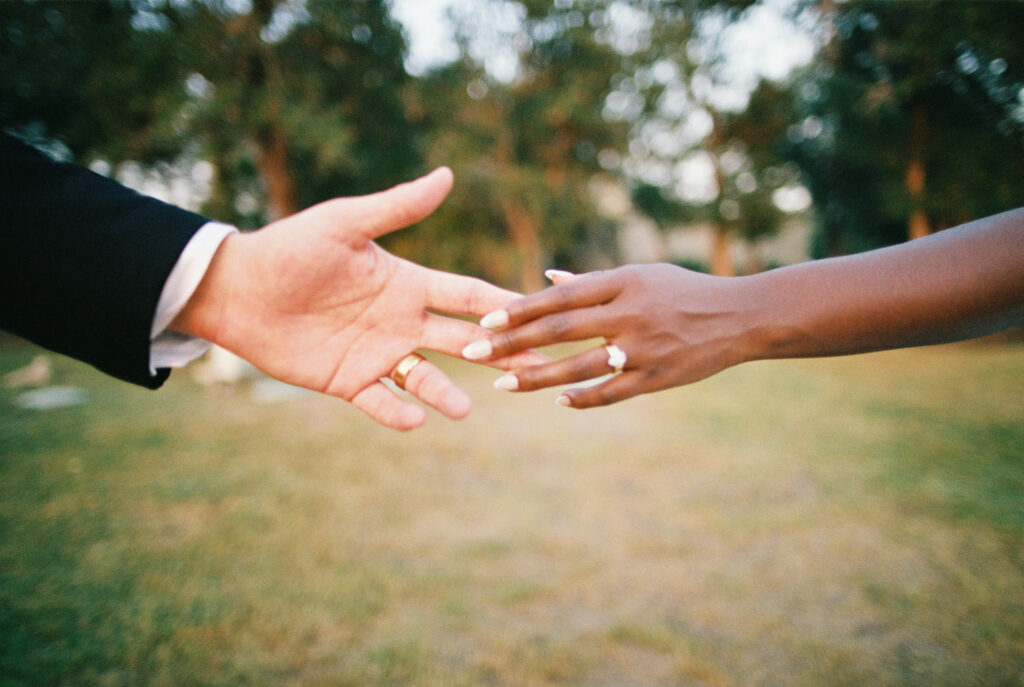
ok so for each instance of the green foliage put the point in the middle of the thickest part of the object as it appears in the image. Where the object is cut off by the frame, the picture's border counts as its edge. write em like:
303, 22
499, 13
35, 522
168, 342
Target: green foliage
523, 151
293, 104
84, 74
937, 83
296, 102
652, 201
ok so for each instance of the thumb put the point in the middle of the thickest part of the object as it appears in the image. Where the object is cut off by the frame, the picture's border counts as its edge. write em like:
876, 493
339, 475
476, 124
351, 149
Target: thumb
364, 218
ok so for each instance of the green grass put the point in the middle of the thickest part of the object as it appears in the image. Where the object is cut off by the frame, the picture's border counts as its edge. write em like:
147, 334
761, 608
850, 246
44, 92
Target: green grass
825, 522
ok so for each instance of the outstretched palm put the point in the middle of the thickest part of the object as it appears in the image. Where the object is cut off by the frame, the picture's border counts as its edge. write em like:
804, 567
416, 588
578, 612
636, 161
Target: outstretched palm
313, 301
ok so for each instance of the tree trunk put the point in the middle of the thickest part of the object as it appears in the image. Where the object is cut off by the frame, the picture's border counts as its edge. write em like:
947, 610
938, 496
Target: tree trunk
275, 169
526, 238
917, 224
221, 203
721, 254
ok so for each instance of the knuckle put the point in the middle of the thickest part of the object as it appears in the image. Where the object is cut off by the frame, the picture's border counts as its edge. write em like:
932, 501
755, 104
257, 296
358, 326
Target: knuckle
521, 310
471, 296
529, 379
562, 297
504, 342
558, 325
419, 382
579, 368
516, 312
628, 275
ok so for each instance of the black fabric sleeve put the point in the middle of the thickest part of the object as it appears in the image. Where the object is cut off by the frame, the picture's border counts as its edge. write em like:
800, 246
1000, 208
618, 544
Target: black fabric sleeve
83, 261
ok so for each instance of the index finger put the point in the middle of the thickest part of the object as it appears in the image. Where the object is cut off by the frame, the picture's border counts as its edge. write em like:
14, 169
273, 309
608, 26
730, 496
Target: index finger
583, 292
461, 295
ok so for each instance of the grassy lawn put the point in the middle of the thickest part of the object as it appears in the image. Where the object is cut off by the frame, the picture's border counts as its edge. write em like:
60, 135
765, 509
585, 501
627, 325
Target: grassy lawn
856, 521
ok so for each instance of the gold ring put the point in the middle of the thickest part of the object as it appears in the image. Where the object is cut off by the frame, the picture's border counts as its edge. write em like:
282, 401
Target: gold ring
405, 367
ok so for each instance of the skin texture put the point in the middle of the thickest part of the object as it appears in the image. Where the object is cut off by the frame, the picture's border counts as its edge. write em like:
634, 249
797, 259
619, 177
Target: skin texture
313, 301
678, 326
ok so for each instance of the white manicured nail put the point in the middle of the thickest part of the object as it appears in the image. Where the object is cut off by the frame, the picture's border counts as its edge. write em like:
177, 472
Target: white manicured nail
563, 401
477, 350
554, 274
507, 382
494, 320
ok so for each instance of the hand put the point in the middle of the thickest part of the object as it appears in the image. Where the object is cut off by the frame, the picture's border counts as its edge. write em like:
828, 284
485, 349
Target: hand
313, 301
675, 326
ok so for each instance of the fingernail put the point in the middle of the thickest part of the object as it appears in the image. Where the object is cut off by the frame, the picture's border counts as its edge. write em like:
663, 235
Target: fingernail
563, 401
507, 382
554, 274
495, 320
477, 350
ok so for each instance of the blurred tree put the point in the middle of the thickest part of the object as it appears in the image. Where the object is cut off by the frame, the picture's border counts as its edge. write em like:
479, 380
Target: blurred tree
688, 125
81, 73
523, 147
293, 102
915, 119
760, 133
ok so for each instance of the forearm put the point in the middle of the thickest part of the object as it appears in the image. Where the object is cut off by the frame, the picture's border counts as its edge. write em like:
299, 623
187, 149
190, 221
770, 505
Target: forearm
963, 282
84, 261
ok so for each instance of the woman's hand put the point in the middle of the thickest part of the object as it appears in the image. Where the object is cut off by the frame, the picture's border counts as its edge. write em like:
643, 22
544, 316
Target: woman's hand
675, 327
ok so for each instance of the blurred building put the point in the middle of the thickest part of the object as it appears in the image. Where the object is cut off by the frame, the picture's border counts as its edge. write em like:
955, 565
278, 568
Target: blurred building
640, 240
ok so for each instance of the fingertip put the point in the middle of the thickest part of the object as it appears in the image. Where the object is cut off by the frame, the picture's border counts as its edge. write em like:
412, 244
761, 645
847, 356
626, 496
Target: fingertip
495, 320
410, 417
507, 382
478, 350
444, 174
559, 276
456, 404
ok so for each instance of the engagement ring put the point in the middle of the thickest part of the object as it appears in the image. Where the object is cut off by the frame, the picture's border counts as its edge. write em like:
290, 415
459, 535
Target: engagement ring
616, 357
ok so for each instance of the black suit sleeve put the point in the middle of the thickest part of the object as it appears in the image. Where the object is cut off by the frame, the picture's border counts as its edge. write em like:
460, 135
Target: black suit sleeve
83, 261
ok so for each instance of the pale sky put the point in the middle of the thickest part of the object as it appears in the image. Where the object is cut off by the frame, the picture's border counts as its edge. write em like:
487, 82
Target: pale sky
430, 38
764, 43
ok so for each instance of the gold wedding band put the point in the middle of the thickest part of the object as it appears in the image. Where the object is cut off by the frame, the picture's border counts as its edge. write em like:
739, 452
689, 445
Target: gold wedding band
405, 367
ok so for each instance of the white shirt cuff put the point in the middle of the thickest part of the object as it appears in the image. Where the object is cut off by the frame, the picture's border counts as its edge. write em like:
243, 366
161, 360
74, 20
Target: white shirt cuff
171, 349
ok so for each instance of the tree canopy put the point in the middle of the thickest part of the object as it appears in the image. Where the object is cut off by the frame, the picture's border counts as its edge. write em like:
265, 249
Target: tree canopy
910, 119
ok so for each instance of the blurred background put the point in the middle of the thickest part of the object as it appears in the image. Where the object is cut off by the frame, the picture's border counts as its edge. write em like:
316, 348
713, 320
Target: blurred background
850, 521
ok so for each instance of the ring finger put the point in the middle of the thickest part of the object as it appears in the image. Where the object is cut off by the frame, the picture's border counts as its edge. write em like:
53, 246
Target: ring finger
429, 384
578, 368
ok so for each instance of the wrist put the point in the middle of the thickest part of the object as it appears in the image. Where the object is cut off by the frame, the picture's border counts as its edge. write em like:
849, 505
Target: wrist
775, 322
203, 315
750, 335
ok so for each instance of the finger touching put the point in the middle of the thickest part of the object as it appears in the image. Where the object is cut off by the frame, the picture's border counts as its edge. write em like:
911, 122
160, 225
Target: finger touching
578, 368
557, 327
463, 295
577, 292
451, 336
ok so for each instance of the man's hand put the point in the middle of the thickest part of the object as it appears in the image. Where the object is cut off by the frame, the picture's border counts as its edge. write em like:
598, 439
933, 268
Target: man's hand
313, 301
